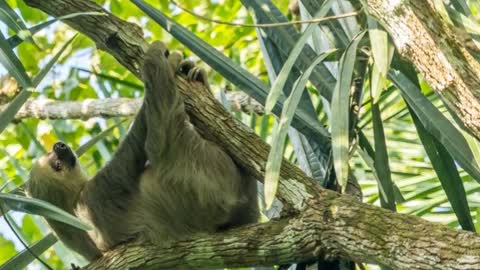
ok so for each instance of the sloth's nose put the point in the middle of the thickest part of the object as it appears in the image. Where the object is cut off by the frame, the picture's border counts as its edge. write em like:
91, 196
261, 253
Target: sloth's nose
59, 146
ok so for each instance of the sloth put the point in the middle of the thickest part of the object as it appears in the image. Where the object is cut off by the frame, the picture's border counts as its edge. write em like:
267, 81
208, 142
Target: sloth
164, 183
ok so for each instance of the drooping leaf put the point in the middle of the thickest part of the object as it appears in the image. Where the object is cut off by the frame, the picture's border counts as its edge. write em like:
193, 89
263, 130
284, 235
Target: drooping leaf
279, 83
437, 124
42, 208
8, 114
272, 171
447, 173
382, 166
341, 110
312, 157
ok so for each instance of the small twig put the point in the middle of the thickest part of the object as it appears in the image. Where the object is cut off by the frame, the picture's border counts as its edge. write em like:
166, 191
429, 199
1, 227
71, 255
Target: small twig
264, 25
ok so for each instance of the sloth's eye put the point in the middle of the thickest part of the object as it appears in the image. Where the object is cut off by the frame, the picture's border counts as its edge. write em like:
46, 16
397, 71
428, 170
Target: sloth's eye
57, 165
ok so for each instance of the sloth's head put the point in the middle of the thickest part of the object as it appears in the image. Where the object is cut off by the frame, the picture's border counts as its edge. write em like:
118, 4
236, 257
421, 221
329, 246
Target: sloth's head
57, 170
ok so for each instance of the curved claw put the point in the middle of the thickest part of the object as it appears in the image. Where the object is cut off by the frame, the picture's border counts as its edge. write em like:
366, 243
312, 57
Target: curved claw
193, 73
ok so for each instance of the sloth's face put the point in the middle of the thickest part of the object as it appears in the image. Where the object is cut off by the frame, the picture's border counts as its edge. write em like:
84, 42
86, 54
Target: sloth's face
61, 158
59, 164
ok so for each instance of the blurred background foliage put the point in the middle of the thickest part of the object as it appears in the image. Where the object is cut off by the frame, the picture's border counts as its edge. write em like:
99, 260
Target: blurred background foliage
84, 72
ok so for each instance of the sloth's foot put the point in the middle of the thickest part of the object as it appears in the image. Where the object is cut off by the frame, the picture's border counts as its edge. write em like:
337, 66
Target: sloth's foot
193, 73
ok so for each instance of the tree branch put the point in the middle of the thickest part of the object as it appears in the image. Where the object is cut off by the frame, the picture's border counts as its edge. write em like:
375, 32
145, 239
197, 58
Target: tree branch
437, 51
328, 224
111, 107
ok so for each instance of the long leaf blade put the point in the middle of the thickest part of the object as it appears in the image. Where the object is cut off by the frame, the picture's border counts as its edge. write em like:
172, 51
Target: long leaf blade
447, 173
279, 83
11, 63
24, 258
340, 112
42, 208
275, 157
382, 167
437, 124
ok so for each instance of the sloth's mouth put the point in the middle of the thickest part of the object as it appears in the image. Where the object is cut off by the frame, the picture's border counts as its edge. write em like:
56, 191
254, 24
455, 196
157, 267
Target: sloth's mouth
61, 157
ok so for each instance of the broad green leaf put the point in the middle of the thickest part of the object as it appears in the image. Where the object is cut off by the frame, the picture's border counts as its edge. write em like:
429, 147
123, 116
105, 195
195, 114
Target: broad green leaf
275, 157
474, 146
379, 42
279, 83
42, 208
24, 258
437, 124
371, 164
7, 249
340, 112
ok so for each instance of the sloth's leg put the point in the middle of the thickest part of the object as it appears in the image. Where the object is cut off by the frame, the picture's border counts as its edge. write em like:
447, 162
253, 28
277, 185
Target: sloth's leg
164, 112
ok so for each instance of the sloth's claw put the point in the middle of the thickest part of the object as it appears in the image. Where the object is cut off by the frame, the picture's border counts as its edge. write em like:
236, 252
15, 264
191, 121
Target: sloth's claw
193, 73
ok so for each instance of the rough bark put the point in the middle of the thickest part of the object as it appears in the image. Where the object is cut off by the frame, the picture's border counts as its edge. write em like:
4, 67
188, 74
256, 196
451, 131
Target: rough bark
437, 51
110, 107
326, 224
330, 226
